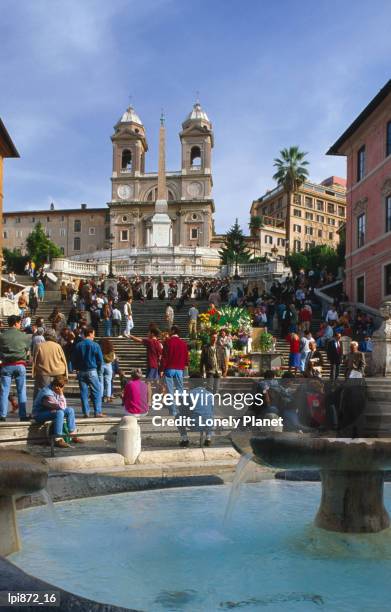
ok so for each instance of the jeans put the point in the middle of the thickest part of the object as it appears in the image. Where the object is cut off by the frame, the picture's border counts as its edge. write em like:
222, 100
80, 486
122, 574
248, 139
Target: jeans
58, 418
174, 381
116, 327
107, 326
89, 380
303, 361
8, 372
106, 379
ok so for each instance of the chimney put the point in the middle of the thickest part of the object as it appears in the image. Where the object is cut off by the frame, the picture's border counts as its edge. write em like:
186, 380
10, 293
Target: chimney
84, 206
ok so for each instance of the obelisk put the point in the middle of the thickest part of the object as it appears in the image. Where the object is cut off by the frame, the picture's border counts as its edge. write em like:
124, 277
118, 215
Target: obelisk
161, 222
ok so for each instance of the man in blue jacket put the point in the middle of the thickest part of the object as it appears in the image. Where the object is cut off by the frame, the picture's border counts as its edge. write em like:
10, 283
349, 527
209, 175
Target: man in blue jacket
87, 360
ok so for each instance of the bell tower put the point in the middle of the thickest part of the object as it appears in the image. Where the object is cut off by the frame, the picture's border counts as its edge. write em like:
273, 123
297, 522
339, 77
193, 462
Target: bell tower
129, 145
197, 143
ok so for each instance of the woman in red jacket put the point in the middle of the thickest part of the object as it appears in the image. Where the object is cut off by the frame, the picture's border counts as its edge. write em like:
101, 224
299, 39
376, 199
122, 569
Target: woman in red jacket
294, 352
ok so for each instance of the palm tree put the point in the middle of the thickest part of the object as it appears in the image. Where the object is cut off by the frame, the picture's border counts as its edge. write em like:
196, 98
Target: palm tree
291, 173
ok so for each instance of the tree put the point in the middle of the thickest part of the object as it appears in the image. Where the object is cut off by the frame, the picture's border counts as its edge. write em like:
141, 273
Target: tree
291, 173
256, 222
321, 256
234, 249
39, 246
14, 260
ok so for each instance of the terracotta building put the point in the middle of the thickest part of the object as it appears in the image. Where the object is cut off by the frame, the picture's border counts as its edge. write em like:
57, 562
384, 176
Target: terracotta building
74, 230
367, 145
7, 149
317, 211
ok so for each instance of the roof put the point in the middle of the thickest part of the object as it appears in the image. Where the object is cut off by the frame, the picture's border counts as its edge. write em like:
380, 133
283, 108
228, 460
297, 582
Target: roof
63, 211
7, 147
197, 113
131, 115
368, 110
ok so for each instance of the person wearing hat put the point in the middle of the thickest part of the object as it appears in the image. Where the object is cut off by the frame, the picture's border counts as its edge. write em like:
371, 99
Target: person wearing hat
14, 351
49, 361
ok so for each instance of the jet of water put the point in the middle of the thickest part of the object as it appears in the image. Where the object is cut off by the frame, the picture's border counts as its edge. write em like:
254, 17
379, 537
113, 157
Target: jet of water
239, 478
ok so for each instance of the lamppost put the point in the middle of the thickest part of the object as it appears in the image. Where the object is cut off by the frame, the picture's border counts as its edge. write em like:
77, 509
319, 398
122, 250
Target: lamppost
111, 242
236, 246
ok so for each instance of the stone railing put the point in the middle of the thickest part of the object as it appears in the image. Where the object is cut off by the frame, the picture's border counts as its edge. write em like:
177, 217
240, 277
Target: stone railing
69, 268
256, 270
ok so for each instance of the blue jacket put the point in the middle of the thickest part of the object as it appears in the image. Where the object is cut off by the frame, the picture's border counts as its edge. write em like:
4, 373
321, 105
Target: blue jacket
87, 355
42, 393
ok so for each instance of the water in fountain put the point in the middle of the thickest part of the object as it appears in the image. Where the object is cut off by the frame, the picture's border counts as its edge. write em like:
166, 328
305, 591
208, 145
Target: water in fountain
239, 477
50, 506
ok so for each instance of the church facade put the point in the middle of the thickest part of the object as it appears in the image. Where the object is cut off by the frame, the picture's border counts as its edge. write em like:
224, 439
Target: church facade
134, 192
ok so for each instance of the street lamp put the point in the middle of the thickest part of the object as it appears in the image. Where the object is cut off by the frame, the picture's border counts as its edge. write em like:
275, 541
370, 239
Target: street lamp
111, 242
236, 246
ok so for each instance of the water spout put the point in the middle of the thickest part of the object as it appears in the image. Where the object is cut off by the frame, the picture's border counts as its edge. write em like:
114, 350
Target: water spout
239, 478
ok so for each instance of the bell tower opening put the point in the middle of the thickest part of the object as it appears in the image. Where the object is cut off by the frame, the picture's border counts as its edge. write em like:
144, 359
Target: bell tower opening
195, 157
126, 163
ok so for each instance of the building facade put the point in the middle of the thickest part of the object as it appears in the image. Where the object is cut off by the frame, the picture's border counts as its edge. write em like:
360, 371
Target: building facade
7, 149
75, 230
367, 146
317, 211
134, 191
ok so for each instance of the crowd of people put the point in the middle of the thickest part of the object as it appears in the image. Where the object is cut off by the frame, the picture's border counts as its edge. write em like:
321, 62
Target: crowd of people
65, 344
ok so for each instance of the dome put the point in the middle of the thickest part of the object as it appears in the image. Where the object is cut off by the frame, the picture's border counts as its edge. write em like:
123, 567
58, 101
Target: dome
197, 113
130, 115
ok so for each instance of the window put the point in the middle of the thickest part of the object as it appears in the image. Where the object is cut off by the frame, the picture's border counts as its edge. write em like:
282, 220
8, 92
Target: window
47, 219
193, 233
297, 199
320, 218
62, 232
296, 212
76, 243
341, 211
330, 209
62, 250
388, 213
309, 216
361, 230
264, 210
107, 217
280, 242
309, 230
91, 231
297, 228
388, 139
319, 205
331, 236
279, 203
387, 280
77, 226
320, 233
271, 211
62, 218
17, 220
360, 289
33, 220
330, 221
5, 235
4, 220
195, 157
308, 202
296, 246
268, 239
124, 235
19, 233
361, 163
126, 162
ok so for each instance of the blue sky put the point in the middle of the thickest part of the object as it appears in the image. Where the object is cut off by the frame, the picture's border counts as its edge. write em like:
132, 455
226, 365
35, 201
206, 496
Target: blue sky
269, 75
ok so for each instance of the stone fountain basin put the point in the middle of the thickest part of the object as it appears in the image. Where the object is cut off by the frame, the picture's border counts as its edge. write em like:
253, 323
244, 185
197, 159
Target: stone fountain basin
21, 473
299, 452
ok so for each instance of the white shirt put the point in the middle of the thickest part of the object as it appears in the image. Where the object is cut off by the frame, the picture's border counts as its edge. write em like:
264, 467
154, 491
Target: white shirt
332, 315
117, 316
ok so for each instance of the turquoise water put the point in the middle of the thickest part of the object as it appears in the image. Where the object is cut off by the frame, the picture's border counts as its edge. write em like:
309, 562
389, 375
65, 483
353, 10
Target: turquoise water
169, 550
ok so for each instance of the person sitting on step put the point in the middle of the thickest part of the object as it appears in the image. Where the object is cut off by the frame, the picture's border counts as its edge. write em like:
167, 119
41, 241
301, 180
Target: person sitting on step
50, 405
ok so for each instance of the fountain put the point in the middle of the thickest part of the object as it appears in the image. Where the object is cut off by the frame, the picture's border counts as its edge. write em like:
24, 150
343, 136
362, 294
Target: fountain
352, 476
20, 474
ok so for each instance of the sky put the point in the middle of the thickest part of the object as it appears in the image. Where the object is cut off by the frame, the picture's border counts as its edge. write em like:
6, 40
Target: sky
270, 74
